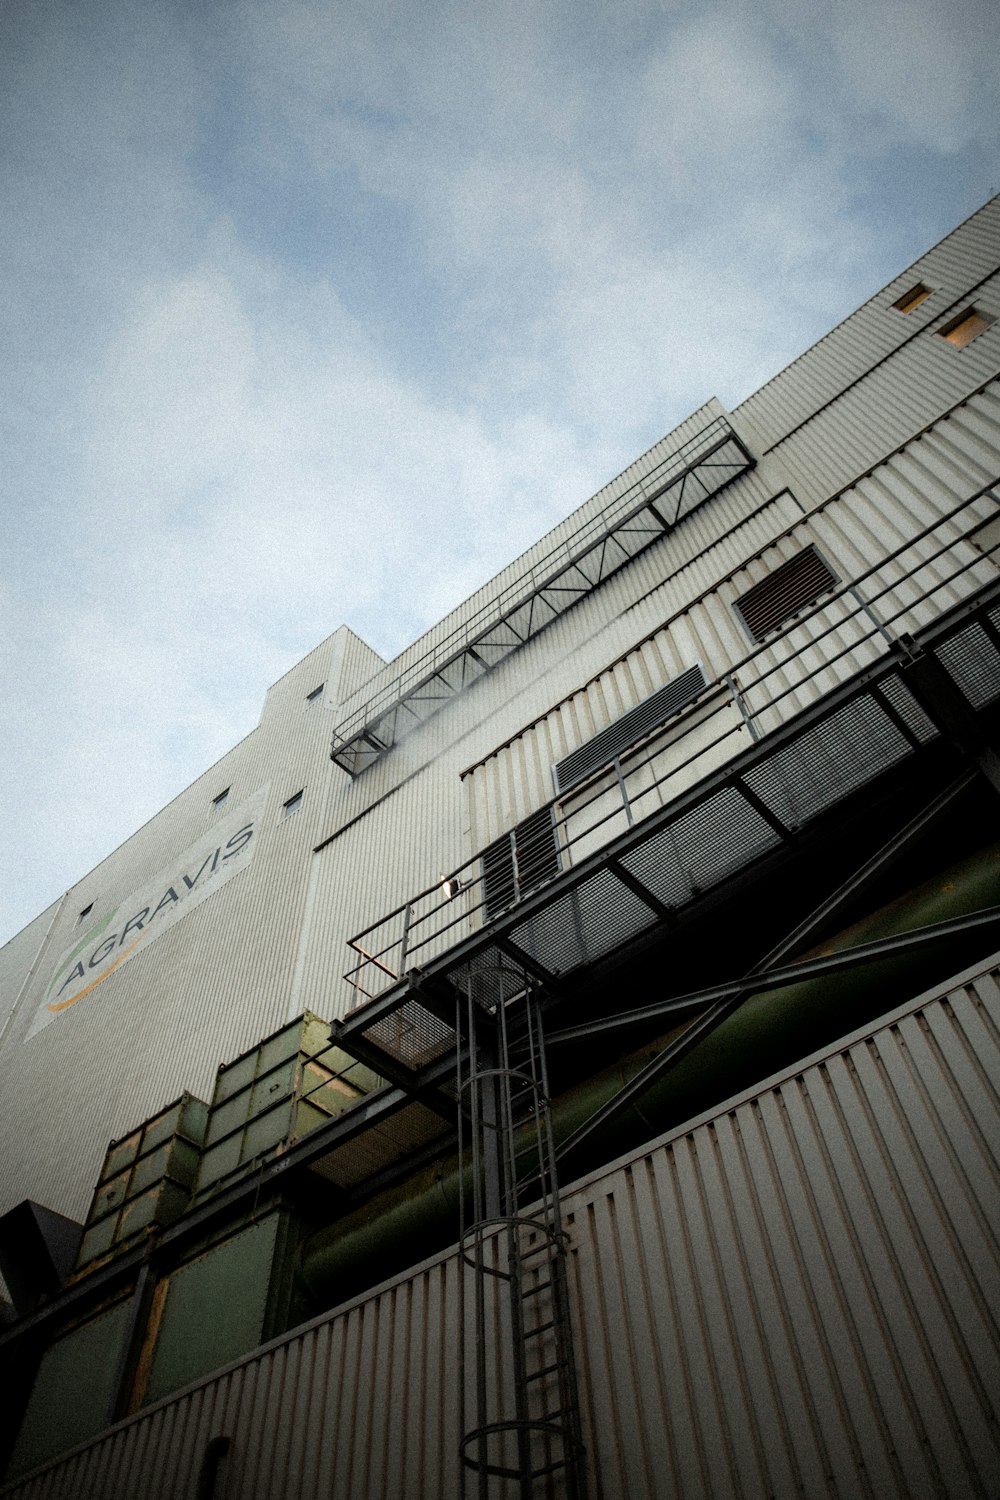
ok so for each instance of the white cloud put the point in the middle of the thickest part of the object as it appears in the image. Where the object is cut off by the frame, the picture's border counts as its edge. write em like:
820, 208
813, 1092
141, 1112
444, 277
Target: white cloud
306, 302
913, 66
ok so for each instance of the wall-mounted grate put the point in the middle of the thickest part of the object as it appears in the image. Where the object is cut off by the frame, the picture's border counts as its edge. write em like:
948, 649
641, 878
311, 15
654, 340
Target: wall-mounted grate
518, 861
792, 586
625, 731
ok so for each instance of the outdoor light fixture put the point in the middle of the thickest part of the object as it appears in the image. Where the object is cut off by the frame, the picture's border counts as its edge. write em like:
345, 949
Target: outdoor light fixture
451, 885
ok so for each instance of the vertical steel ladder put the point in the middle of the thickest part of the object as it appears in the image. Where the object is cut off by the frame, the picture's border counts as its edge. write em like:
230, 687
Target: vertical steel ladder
517, 1371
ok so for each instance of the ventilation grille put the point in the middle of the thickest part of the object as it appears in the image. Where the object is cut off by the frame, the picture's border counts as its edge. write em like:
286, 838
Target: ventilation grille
624, 732
518, 861
796, 583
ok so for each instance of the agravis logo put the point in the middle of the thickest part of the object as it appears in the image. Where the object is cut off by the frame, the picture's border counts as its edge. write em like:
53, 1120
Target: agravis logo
199, 872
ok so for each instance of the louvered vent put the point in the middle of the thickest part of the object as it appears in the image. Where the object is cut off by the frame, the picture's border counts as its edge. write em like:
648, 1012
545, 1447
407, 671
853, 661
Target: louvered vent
788, 589
518, 861
649, 714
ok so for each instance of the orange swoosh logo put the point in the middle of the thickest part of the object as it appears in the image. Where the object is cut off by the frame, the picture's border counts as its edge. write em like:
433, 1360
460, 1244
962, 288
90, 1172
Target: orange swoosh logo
65, 1004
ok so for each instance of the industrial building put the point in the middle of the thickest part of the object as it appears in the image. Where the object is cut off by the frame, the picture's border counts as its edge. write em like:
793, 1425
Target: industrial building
563, 1060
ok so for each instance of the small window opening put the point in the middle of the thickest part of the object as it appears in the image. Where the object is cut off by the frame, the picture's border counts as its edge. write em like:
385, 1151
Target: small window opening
85, 914
912, 298
221, 799
966, 327
315, 696
292, 805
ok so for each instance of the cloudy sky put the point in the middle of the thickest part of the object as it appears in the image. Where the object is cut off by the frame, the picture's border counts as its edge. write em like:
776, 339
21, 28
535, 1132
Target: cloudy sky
318, 313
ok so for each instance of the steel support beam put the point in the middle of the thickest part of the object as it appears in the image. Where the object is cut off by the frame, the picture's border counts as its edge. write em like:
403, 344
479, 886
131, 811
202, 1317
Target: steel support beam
731, 996
950, 710
788, 974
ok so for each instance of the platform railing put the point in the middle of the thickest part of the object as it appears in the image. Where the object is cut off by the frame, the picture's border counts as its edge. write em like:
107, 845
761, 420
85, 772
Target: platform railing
848, 630
644, 512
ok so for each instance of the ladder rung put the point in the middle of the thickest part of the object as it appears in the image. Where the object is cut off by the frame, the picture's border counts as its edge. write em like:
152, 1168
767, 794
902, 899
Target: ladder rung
559, 1364
560, 1463
544, 1246
533, 1291
530, 1333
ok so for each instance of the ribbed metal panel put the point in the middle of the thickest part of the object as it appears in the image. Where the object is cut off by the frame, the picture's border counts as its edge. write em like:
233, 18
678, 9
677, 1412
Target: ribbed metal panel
522, 566
869, 520
630, 727
271, 943
877, 416
961, 261
204, 992
798, 1294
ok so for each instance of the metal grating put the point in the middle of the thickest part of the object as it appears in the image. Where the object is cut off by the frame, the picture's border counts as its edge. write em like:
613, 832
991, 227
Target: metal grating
412, 1035
584, 924
640, 874
723, 834
625, 731
380, 1147
792, 586
828, 761
971, 658
518, 861
903, 703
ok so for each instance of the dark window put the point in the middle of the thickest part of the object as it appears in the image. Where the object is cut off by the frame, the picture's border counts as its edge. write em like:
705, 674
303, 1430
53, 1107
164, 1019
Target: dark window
85, 914
221, 799
779, 596
292, 805
648, 715
518, 861
315, 696
966, 327
912, 298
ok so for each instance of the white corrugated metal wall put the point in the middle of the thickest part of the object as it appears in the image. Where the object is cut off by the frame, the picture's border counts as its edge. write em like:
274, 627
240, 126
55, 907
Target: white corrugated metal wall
796, 1295
273, 941
923, 481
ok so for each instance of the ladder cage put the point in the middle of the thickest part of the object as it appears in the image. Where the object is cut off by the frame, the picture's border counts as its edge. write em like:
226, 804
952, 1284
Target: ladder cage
519, 1405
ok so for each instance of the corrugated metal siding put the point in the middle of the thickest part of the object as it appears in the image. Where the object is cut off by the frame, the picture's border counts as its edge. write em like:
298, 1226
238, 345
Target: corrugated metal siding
882, 412
273, 941
521, 566
800, 1296
921, 377
797, 1295
903, 496
875, 330
208, 989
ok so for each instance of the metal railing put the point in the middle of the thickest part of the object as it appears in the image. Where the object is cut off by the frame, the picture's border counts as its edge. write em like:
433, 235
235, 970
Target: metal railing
847, 631
603, 543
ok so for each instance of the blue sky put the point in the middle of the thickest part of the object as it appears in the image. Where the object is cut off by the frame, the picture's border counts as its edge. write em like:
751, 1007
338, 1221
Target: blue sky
320, 313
